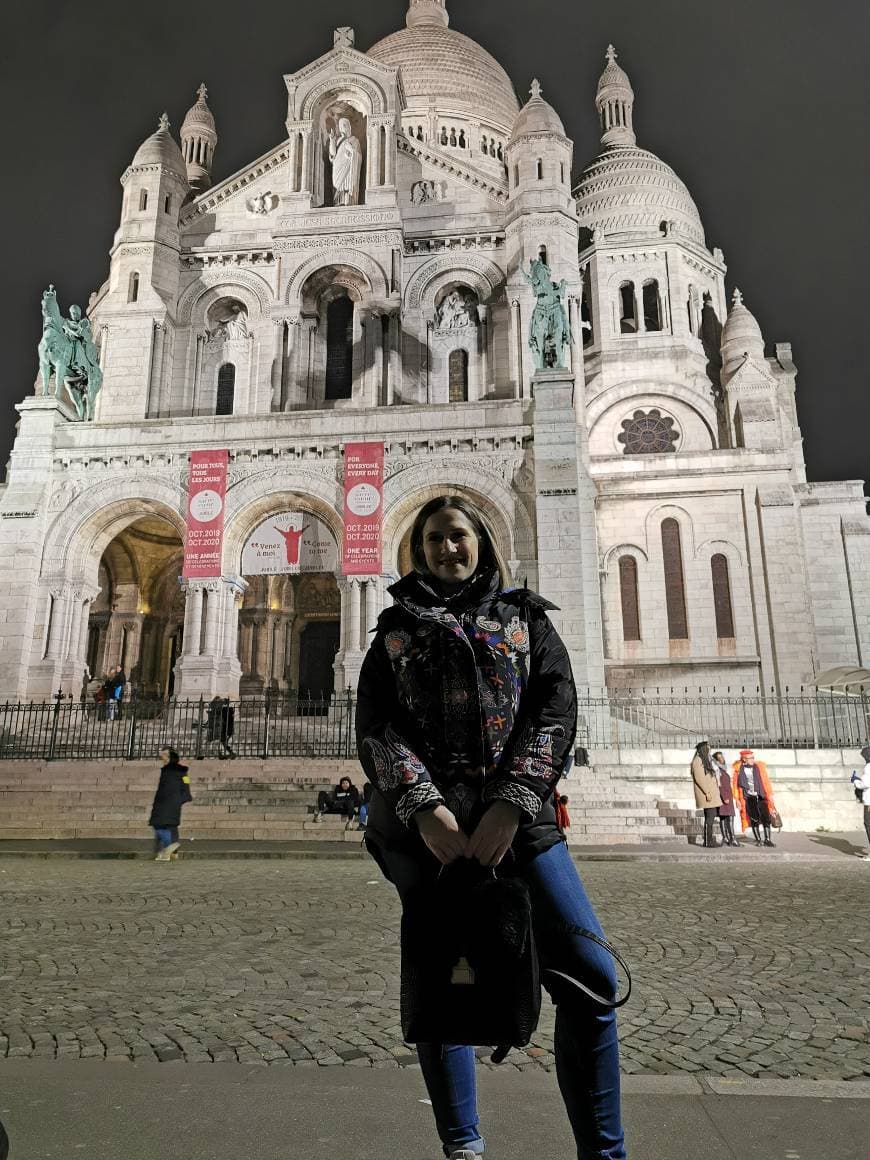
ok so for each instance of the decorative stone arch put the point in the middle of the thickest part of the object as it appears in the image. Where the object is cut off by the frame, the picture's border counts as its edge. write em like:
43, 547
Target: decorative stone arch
256, 498
80, 534
212, 285
345, 87
406, 492
481, 275
652, 527
613, 554
373, 273
709, 548
620, 393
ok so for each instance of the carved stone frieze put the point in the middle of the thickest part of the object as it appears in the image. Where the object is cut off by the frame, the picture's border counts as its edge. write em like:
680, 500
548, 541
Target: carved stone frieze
328, 241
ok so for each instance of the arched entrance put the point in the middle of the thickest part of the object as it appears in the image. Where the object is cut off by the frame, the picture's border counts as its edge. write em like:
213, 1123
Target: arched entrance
289, 624
137, 619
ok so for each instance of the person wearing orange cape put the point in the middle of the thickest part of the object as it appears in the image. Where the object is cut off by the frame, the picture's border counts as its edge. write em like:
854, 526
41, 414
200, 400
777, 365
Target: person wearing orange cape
753, 796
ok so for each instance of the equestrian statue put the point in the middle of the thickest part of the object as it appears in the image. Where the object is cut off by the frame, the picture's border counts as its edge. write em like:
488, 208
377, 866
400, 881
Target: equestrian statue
549, 330
67, 347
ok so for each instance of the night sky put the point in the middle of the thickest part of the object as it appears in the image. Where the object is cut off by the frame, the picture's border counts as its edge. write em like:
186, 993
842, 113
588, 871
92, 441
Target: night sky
759, 105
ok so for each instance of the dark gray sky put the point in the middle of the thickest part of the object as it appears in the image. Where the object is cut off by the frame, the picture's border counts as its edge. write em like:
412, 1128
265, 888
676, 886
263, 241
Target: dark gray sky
760, 106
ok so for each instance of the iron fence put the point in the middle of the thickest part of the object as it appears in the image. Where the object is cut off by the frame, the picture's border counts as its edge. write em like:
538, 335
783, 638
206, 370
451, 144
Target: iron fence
298, 726
263, 727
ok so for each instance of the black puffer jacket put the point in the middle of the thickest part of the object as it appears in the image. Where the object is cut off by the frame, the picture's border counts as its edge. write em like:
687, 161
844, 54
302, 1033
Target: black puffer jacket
173, 791
465, 700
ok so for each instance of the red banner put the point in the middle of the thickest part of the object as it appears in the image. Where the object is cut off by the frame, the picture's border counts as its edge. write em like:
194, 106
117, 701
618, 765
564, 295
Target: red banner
363, 508
206, 491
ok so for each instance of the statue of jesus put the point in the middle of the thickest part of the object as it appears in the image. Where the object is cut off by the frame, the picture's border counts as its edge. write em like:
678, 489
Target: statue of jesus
346, 157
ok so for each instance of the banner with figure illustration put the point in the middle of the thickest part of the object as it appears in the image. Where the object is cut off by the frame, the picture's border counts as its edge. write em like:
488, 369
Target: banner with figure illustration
363, 508
289, 544
206, 492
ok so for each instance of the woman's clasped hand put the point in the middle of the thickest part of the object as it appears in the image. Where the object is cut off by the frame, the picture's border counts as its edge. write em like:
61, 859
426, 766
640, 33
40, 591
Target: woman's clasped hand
489, 843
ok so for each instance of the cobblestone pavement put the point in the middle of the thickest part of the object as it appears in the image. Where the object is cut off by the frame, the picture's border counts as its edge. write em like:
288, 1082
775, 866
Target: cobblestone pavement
752, 971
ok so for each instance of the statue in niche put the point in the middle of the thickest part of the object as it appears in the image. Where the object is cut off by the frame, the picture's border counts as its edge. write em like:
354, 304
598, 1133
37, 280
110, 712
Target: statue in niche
458, 308
232, 328
67, 346
549, 331
345, 156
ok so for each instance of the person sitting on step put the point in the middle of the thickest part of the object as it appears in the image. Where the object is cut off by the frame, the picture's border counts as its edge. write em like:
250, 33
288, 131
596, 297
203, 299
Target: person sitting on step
344, 799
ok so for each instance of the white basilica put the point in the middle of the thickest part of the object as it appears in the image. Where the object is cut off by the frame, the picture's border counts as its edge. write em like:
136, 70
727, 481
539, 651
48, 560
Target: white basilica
364, 280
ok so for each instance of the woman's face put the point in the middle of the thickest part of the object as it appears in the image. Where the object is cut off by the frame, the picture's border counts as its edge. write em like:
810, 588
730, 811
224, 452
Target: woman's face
450, 546
345, 783
164, 756
718, 757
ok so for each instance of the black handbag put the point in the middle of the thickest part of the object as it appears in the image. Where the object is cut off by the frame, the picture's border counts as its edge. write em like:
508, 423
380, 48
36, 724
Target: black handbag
470, 972
469, 968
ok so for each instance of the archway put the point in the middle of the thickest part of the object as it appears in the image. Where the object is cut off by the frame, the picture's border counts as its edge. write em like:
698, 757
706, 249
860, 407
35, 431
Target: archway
137, 619
289, 624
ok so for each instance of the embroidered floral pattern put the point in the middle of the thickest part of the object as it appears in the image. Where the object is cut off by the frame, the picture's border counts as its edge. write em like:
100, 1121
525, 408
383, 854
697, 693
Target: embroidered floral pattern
396, 642
517, 635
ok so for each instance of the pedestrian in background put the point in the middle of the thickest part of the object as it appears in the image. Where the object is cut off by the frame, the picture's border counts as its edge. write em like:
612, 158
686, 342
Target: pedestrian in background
173, 791
706, 786
727, 809
861, 784
754, 796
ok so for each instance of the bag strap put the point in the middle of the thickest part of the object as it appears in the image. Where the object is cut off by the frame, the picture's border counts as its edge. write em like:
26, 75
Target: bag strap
610, 1004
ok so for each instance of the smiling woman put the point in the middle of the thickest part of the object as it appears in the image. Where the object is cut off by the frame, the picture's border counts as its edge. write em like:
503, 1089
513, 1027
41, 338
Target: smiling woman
466, 717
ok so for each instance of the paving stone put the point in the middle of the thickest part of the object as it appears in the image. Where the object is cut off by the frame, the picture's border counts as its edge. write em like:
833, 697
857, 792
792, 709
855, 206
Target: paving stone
296, 964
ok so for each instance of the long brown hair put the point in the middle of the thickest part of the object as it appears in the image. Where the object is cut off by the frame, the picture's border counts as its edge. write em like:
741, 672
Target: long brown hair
489, 555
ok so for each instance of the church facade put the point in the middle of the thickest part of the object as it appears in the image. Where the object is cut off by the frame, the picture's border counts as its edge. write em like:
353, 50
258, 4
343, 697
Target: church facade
366, 281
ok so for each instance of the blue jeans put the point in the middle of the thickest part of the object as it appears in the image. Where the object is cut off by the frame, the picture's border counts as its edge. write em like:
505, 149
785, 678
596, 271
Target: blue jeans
586, 1044
165, 835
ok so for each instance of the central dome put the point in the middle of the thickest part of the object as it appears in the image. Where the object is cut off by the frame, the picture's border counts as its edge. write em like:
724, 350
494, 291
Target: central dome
450, 71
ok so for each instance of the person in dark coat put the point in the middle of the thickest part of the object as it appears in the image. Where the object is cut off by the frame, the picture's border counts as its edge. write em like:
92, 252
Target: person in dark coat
220, 724
466, 714
173, 791
344, 800
727, 809
114, 689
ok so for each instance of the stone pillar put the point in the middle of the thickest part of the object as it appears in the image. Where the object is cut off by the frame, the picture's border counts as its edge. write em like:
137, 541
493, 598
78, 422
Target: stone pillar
354, 615
566, 525
192, 620
484, 314
390, 168
58, 626
394, 363
294, 160
520, 391
371, 609
373, 165
278, 365
307, 184
212, 621
199, 669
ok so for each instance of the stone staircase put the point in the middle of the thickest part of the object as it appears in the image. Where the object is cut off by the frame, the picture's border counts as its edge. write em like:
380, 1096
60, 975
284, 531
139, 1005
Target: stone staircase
273, 801
232, 800
606, 811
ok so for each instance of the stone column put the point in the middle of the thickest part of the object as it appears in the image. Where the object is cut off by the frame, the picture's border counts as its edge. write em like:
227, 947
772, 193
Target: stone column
373, 165
57, 629
354, 615
212, 620
192, 620
307, 184
278, 365
394, 365
520, 391
371, 609
484, 314
294, 160
390, 167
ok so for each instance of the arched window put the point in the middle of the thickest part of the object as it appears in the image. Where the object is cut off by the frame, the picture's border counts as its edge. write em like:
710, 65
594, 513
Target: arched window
675, 585
652, 307
461, 138
516, 176
627, 309
133, 288
629, 598
540, 169
167, 203
143, 199
226, 390
458, 372
339, 348
722, 596
692, 308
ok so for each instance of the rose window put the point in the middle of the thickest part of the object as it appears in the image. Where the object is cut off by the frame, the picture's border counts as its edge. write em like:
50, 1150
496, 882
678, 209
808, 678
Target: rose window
648, 433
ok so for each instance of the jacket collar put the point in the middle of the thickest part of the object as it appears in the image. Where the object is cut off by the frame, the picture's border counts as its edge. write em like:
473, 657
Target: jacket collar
419, 596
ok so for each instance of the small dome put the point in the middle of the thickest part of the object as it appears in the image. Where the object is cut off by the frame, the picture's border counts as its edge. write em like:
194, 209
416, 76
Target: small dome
629, 190
160, 148
537, 116
443, 68
614, 77
741, 336
198, 117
